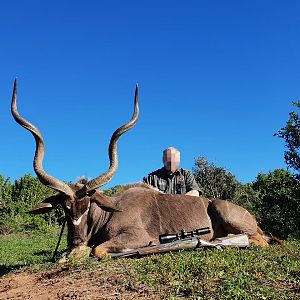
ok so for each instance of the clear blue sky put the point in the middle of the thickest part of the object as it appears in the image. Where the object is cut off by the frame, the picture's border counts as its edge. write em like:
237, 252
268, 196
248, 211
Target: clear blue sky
216, 78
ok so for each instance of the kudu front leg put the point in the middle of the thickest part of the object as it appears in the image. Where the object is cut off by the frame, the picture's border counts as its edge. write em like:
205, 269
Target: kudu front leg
123, 242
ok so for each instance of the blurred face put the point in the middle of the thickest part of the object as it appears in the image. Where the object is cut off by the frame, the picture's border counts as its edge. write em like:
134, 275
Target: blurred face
171, 160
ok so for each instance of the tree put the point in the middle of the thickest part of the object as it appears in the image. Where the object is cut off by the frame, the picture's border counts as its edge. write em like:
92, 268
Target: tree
111, 192
279, 205
250, 199
291, 134
17, 199
274, 198
214, 181
5, 201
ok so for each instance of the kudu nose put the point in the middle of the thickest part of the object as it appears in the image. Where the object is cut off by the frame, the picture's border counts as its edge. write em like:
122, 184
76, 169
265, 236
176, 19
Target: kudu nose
78, 242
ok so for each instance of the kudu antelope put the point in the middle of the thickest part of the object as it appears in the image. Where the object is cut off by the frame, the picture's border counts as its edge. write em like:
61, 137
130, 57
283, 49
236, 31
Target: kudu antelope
137, 216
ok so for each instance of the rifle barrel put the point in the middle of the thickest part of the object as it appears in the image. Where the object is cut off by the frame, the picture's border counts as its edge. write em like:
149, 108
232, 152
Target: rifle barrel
236, 241
189, 243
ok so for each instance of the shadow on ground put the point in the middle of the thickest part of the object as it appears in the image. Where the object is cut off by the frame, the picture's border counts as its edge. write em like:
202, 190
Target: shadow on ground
5, 270
43, 256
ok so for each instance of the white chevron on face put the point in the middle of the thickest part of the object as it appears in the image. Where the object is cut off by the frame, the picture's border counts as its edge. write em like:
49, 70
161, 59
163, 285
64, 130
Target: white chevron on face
78, 221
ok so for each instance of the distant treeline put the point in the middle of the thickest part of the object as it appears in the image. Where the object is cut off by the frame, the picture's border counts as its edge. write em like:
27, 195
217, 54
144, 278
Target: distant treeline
274, 199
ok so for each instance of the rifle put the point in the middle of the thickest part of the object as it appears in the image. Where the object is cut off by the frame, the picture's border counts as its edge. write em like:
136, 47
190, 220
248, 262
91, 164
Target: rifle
189, 242
167, 238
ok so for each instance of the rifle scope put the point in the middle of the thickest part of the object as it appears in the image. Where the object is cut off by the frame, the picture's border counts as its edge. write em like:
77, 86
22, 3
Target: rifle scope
171, 237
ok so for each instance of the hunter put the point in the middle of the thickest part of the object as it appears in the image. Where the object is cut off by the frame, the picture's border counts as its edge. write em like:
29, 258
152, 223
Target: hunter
171, 179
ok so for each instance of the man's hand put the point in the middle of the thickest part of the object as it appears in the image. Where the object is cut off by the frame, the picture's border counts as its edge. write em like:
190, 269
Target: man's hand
154, 188
193, 193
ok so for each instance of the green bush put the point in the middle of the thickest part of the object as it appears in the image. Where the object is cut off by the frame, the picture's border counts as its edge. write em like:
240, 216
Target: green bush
215, 182
279, 208
16, 201
250, 199
273, 198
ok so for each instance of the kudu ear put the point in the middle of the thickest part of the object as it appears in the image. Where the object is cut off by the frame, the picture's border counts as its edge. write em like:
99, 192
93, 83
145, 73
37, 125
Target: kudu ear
47, 205
104, 202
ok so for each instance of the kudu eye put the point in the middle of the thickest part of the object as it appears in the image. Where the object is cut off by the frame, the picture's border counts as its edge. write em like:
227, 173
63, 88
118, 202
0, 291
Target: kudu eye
68, 205
91, 193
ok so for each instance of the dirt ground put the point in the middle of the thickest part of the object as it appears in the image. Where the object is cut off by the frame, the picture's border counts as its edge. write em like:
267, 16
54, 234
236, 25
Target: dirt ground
67, 284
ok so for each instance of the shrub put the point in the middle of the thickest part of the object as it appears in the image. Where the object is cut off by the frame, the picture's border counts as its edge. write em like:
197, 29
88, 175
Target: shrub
17, 199
279, 208
215, 182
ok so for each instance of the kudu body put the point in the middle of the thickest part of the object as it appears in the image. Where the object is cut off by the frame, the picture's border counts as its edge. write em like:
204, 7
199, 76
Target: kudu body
138, 215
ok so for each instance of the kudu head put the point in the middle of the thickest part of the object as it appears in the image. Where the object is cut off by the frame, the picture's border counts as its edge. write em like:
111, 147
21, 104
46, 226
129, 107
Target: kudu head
75, 199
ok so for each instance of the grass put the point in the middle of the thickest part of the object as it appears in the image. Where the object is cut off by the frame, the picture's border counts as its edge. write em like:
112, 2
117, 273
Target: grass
223, 274
28, 249
251, 273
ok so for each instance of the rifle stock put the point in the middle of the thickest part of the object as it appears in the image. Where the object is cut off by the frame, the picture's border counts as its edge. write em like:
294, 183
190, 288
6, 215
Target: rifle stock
236, 241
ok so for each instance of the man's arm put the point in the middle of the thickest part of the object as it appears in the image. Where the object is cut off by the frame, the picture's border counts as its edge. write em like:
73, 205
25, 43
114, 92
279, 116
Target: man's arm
191, 185
193, 193
152, 183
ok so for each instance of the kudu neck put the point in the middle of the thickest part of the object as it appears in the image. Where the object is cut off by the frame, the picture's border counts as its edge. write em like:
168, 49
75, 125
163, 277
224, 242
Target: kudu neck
97, 219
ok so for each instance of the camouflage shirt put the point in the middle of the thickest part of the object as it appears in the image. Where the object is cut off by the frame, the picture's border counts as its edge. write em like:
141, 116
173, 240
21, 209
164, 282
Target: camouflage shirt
180, 182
